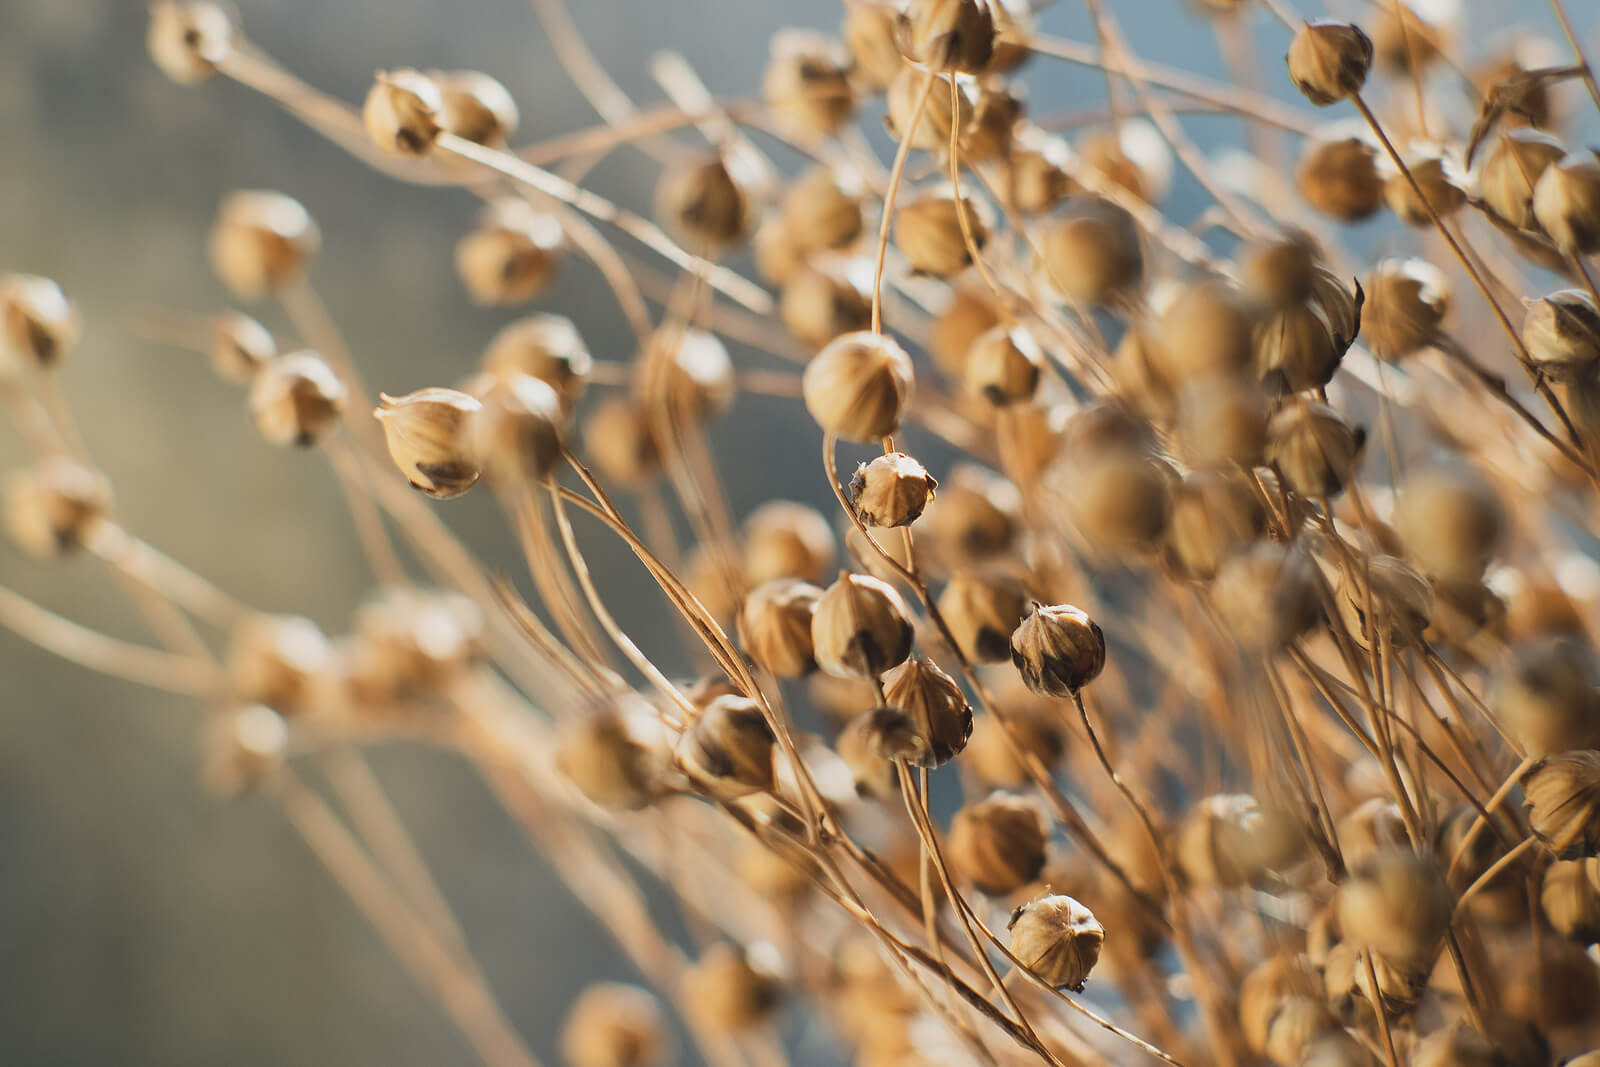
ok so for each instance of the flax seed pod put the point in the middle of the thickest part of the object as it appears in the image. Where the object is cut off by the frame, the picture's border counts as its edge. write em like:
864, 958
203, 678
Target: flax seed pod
1405, 308
732, 989
807, 86
1339, 178
475, 107
777, 252
1230, 840
261, 241
1545, 697
857, 387
1566, 203
998, 844
784, 539
1562, 332
619, 758
975, 517
1222, 421
891, 735
1328, 60
1371, 826
1570, 898
620, 442
1563, 802
1092, 255
275, 660
1058, 939
727, 751
244, 747
1504, 899
1119, 500
715, 201
995, 115
427, 435
1407, 37
1036, 172
1441, 183
968, 314
511, 255
55, 506
891, 490
775, 626
296, 399
982, 610
1515, 162
948, 35
827, 298
1276, 271
861, 745
1451, 522
615, 1025
1266, 596
928, 231
543, 346
934, 706
991, 758
929, 132
188, 38
1203, 331
1398, 905
1058, 650
822, 209
239, 346
403, 112
515, 438
1296, 349
1401, 597
861, 627
1265, 989
37, 321
688, 370
1314, 448
1213, 514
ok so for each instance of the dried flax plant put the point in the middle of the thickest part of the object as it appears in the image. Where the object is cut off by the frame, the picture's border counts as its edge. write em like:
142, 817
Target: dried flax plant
1253, 623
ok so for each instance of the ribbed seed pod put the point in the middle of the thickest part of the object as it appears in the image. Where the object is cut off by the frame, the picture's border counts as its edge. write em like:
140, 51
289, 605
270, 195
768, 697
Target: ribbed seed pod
429, 441
1451, 522
937, 709
402, 112
1213, 515
928, 231
715, 201
1546, 699
476, 107
1328, 60
620, 758
870, 30
948, 35
39, 324
1314, 448
1296, 349
1562, 332
1133, 156
1003, 366
969, 313
862, 744
260, 242
1266, 596
188, 38
1058, 650
891, 490
858, 386
616, 1025
239, 346
995, 114
822, 209
1405, 308
296, 399
826, 298
931, 131
1057, 939
1396, 904
1339, 178
784, 539
1570, 898
861, 627
1203, 331
276, 660
731, 989
727, 751
1566, 203
511, 255
775, 626
1515, 161
1441, 183
1265, 989
55, 506
998, 844
982, 610
807, 86
1092, 255
1563, 801
546, 347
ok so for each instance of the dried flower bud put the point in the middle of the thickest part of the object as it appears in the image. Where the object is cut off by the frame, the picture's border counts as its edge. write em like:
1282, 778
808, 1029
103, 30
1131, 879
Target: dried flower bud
807, 86
1515, 162
775, 626
1339, 178
1441, 183
1277, 271
39, 324
1212, 515
239, 346
403, 112
868, 744
54, 506
475, 107
1296, 349
824, 299
1563, 801
296, 399
890, 734
1229, 841
928, 231
261, 241
1266, 596
891, 490
1057, 939
615, 1025
1570, 898
1566, 202
426, 432
690, 370
714, 201
1314, 448
188, 38
1396, 904
857, 387
783, 539
1058, 650
511, 255
1451, 522
1406, 304
1222, 421
1562, 332
982, 611
1092, 256
1003, 366
275, 660
1328, 60
1402, 599
1036, 171
936, 707
727, 751
861, 627
998, 844
823, 210
619, 440
730, 989
515, 439
619, 759
949, 35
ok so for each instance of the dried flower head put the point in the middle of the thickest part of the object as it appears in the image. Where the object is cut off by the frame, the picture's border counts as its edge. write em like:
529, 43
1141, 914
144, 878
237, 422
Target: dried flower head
823, 208
1393, 591
296, 399
689, 370
1037, 176
262, 241
1276, 271
785, 539
1545, 697
403, 112
419, 640
827, 298
1229, 840
511, 255
935, 707
1566, 202
1339, 178
1213, 514
1515, 162
975, 518
1315, 448
1562, 332
1058, 650
1396, 903
948, 35
715, 201
1092, 255
543, 346
861, 627
891, 490
1266, 596
998, 844
928, 231
858, 386
616, 1025
982, 610
1451, 522
1328, 60
1057, 939
55, 506
1003, 366
1442, 186
428, 437
515, 436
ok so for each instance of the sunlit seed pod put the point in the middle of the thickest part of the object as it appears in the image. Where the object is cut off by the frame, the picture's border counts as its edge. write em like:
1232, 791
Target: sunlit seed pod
620, 441
998, 844
928, 131
1542, 607
995, 115
689, 371
891, 735
39, 323
715, 201
1119, 501
948, 35
928, 231
1213, 515
1222, 421
187, 39
807, 86
1138, 384
1570, 898
619, 758
1092, 254
1401, 599
1462, 611
1014, 25
731, 989
54, 506
827, 298
858, 386
475, 107
969, 313
403, 112
1551, 983
275, 660
1029, 440
1329, 60
823, 208
616, 1025
297, 399
1451, 522
1203, 331
1563, 802
261, 241
1513, 163
870, 32
891, 490
982, 610
775, 626
1339, 178
1545, 697
1266, 596
427, 435
511, 255
1035, 174
861, 627
1562, 332
1566, 203
777, 252
1057, 939
1407, 300
1396, 903
1443, 188
1058, 650
1264, 990
935, 705
1134, 157
727, 751
1230, 840
1371, 826
1276, 272
861, 744
238, 346
976, 517
516, 436
543, 346
1315, 448
784, 539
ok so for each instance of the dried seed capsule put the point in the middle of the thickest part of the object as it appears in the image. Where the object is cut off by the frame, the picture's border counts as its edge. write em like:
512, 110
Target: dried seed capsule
987, 138
55, 506
775, 626
1295, 349
1451, 522
1058, 650
778, 253
402, 112
870, 31
1566, 203
1402, 599
714, 201
1057, 939
1563, 801
296, 399
1266, 596
1003, 366
1396, 904
783, 539
928, 232
1036, 171
1092, 256
1562, 332
1328, 60
991, 758
1545, 697
1339, 178
935, 705
998, 844
1457, 1045
1222, 421
1265, 989
620, 442
1229, 840
690, 370
276, 660
426, 432
1440, 182
824, 299
619, 759
863, 742
1277, 271
1120, 501
1407, 300
1408, 36
38, 321
1373, 825
861, 627
928, 131
188, 38
891, 734
475, 107
616, 1025
730, 989
982, 611
891, 490
857, 387
727, 751
1134, 157
975, 518
970, 312
243, 748
239, 346
515, 438
822, 209
807, 86
1314, 448
1515, 162
261, 241
546, 347
511, 255
949, 35
1212, 515
1504, 898
1570, 898
1203, 331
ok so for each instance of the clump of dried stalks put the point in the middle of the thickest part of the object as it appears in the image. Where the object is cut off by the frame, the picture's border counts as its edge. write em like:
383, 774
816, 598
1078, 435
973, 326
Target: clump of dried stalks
1254, 626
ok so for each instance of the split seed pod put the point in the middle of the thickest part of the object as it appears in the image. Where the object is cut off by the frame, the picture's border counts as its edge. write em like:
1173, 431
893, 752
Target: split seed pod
476, 107
296, 399
1406, 305
998, 844
1003, 366
861, 627
807, 86
1562, 332
39, 323
427, 435
1315, 448
727, 751
928, 231
54, 506
619, 758
261, 241
1339, 178
1057, 939
982, 611
1563, 801
1402, 599
188, 38
1515, 162
891, 490
1328, 60
616, 1025
1058, 650
857, 387
775, 626
511, 255
402, 112
546, 347
937, 709
1092, 255
1566, 203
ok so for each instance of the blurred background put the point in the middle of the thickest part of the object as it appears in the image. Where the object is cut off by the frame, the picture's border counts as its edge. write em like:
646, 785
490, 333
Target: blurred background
143, 921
